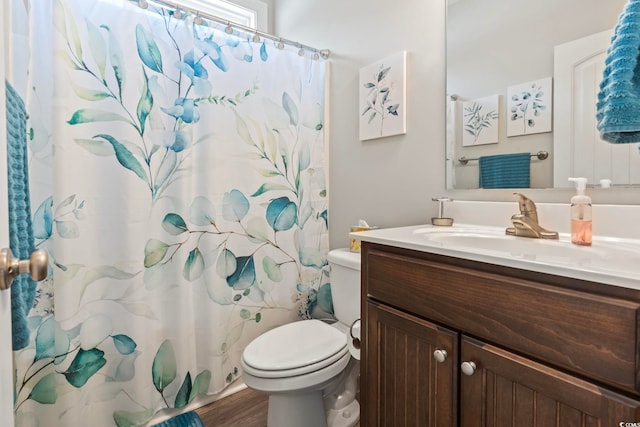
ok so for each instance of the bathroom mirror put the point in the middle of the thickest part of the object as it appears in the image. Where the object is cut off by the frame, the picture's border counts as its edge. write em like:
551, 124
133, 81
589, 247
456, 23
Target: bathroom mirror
494, 47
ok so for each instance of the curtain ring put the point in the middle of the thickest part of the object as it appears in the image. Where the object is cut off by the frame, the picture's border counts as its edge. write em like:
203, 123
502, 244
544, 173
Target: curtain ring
177, 13
198, 19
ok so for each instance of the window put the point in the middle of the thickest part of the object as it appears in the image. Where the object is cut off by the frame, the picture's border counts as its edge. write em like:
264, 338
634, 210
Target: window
250, 13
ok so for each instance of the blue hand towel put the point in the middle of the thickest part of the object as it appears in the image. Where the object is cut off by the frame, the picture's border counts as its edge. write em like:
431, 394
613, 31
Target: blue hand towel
505, 170
618, 104
20, 227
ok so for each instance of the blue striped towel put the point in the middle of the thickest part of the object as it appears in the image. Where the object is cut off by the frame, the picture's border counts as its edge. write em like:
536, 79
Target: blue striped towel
188, 419
505, 170
618, 104
20, 228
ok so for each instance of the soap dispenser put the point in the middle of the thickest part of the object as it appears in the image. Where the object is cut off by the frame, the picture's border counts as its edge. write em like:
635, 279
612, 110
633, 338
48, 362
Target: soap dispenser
580, 214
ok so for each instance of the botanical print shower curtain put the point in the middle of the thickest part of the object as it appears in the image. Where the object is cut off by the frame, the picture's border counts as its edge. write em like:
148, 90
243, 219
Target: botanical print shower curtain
178, 183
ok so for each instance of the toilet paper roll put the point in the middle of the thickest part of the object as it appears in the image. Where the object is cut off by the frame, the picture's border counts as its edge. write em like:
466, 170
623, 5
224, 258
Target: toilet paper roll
353, 340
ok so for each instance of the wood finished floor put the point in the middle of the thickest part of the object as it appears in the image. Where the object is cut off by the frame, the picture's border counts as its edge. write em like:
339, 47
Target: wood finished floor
247, 408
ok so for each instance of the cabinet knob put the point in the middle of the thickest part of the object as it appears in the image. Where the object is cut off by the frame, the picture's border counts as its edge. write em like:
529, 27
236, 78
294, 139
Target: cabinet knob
440, 355
468, 368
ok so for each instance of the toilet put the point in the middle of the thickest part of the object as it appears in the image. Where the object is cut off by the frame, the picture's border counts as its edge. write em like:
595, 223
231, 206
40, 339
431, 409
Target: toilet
306, 367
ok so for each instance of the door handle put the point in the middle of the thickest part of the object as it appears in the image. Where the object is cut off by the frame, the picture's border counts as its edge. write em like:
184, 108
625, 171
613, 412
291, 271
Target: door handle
37, 266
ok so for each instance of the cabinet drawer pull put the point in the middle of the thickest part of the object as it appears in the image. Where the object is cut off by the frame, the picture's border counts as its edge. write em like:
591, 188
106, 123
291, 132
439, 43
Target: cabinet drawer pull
468, 368
440, 355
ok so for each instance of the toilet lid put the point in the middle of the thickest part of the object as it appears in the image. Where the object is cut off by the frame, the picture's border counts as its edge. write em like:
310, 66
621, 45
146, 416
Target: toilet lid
294, 345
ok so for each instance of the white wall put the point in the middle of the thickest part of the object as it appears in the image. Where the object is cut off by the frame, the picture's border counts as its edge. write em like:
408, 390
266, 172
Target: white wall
388, 181
270, 17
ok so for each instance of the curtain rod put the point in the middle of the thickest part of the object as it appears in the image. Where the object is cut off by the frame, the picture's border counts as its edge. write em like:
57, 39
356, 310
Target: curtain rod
324, 53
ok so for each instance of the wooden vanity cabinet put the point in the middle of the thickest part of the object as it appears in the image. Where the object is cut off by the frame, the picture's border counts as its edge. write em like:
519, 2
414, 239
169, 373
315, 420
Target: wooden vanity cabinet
510, 390
542, 350
405, 385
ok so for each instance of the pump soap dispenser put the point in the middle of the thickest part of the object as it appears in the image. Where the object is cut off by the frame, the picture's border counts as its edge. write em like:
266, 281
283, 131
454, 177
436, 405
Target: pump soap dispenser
580, 214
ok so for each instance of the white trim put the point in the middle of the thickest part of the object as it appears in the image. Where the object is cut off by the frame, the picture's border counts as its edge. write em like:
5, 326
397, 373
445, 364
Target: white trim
6, 356
250, 13
262, 12
303, 49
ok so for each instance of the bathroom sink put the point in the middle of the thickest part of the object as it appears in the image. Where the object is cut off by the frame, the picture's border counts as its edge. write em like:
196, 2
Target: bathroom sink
494, 240
609, 260
602, 254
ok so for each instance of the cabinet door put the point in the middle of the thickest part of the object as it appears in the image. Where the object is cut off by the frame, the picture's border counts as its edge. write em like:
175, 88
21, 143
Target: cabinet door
509, 390
402, 384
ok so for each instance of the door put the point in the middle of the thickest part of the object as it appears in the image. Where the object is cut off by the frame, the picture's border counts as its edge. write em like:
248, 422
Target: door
411, 371
499, 388
579, 151
6, 360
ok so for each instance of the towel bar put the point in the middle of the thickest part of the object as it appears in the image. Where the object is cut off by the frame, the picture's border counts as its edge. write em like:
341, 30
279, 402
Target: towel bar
541, 155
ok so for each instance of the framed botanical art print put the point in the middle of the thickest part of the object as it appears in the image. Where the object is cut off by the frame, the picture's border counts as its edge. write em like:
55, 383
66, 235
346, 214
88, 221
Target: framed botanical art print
530, 107
382, 98
480, 121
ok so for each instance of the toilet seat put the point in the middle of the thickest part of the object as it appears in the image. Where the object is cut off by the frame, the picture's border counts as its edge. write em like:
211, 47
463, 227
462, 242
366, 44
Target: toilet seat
294, 349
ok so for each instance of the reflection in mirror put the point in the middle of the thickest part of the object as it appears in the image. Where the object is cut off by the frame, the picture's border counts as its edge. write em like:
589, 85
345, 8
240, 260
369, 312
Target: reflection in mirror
501, 86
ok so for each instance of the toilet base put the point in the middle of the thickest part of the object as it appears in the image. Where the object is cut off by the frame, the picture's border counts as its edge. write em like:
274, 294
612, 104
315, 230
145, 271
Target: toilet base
344, 417
295, 410
342, 407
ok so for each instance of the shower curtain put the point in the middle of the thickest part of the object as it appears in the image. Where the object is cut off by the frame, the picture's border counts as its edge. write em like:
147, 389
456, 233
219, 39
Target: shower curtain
177, 181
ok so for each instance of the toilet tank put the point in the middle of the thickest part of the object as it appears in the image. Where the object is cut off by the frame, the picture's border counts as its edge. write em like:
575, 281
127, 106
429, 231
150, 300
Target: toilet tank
345, 284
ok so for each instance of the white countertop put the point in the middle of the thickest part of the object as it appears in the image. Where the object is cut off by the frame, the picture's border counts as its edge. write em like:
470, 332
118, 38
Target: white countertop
610, 260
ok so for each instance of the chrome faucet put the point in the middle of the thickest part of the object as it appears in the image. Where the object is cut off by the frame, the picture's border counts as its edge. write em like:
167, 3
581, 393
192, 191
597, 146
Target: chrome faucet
525, 224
